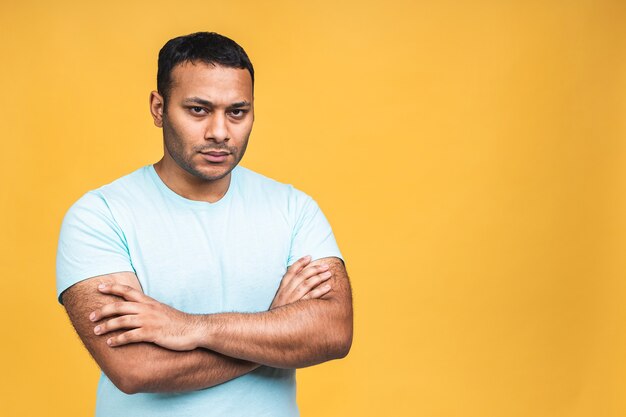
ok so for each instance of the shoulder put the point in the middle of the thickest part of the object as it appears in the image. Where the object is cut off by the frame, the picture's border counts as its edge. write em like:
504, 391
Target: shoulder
249, 178
101, 200
252, 182
294, 205
129, 186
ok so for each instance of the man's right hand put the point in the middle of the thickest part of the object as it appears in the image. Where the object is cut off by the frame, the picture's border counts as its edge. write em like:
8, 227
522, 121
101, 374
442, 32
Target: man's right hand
302, 282
141, 318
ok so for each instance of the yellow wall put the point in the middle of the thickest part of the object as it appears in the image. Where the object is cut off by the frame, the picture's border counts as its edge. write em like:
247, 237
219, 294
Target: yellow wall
470, 155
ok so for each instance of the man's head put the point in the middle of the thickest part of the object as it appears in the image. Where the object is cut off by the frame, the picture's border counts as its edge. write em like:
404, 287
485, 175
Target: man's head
204, 104
202, 47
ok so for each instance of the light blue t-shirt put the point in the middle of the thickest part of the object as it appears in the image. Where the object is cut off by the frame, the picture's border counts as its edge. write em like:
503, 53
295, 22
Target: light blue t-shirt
197, 257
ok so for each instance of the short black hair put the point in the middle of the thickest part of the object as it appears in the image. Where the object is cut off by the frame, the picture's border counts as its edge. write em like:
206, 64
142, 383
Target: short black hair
206, 47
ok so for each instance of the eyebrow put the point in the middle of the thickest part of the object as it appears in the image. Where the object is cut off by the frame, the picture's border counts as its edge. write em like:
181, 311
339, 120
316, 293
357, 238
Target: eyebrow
239, 104
198, 100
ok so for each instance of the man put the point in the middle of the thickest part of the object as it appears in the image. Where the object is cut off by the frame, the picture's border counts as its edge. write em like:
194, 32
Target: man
187, 280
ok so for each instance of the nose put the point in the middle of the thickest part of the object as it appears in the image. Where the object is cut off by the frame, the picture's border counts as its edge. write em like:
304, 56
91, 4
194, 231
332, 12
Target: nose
217, 129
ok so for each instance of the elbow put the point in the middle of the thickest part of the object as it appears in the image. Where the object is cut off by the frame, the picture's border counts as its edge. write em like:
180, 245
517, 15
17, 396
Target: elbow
130, 381
343, 336
342, 343
128, 386
344, 349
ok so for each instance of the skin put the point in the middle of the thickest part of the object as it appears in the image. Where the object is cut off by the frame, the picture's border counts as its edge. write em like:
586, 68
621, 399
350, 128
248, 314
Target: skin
295, 335
147, 367
144, 345
210, 108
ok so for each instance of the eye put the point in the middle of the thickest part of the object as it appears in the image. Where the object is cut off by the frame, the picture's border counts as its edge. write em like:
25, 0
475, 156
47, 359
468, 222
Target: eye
197, 110
238, 113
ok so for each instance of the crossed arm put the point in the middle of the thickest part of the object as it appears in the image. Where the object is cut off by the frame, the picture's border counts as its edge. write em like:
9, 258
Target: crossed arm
151, 347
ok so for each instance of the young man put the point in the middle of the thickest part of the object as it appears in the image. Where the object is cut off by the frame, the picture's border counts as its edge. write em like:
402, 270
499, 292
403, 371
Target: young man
188, 280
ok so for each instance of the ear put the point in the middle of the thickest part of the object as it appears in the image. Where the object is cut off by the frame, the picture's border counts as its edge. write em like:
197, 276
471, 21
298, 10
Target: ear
156, 108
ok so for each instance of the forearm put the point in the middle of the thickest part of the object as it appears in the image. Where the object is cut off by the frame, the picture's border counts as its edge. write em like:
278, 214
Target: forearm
144, 367
190, 371
150, 368
296, 335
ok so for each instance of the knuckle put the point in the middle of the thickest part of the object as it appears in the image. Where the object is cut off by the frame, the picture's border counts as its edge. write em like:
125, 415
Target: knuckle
315, 278
129, 320
141, 334
319, 292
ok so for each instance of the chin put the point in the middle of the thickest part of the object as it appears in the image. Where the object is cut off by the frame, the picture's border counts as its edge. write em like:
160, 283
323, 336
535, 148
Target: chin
213, 175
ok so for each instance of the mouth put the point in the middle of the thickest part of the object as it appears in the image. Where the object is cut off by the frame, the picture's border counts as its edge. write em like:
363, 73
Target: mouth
215, 156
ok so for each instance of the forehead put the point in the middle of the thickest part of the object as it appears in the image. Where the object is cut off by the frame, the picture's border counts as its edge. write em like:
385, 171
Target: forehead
211, 82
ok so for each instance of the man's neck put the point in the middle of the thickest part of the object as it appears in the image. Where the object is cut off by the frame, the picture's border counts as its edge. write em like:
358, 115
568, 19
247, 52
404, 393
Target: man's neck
189, 186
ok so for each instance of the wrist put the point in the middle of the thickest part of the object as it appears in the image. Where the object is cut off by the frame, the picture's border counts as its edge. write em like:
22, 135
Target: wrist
202, 332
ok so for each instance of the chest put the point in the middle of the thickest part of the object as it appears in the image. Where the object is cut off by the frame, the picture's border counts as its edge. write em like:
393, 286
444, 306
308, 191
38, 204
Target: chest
210, 261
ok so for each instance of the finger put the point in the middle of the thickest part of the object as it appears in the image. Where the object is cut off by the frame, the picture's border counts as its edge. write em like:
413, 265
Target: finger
125, 291
317, 292
294, 269
115, 309
306, 273
124, 322
299, 264
312, 270
131, 336
311, 283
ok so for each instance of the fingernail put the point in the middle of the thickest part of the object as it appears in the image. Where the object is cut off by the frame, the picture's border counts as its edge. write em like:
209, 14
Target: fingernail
109, 341
325, 274
92, 316
102, 286
324, 266
326, 287
96, 330
307, 258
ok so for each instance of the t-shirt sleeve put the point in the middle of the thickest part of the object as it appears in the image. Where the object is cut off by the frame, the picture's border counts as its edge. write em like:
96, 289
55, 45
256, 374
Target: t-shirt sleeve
312, 234
91, 243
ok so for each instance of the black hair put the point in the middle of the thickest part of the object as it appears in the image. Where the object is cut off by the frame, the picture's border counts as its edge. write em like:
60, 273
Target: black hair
206, 47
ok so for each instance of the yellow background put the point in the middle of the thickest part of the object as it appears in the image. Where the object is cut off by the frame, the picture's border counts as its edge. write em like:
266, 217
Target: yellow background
470, 156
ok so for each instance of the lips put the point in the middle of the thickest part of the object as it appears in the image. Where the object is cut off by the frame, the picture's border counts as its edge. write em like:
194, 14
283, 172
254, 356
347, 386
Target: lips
215, 156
